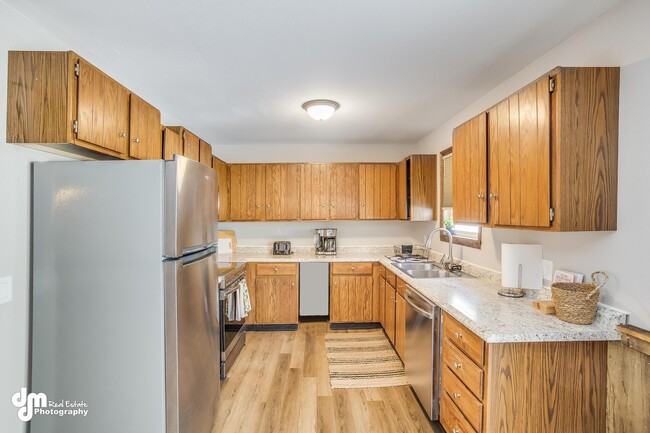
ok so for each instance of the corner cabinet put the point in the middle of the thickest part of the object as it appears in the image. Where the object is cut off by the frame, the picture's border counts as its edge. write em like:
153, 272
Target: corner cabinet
60, 103
543, 387
417, 187
548, 154
273, 290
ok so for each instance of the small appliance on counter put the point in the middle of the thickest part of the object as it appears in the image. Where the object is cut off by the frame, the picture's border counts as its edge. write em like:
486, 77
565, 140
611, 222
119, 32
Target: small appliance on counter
281, 248
325, 240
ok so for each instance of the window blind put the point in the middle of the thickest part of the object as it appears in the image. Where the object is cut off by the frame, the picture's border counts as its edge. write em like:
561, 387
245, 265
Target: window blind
446, 181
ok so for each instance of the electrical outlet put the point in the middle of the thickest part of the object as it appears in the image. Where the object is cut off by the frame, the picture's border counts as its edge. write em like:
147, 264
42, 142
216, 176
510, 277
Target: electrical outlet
548, 269
5, 290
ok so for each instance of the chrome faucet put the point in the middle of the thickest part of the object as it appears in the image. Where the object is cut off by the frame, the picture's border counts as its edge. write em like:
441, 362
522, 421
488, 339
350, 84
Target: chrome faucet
449, 262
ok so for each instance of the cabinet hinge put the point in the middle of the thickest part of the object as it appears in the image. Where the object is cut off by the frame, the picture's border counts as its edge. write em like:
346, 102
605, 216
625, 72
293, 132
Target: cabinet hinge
551, 85
75, 126
551, 214
76, 69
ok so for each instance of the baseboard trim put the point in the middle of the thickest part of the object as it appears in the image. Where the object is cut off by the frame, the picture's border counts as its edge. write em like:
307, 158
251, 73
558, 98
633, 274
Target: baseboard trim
343, 326
272, 327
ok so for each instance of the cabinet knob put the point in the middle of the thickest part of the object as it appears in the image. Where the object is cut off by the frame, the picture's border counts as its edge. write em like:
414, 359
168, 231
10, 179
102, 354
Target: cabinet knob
123, 134
332, 205
456, 395
258, 206
353, 268
363, 204
293, 284
455, 430
269, 206
481, 196
275, 269
493, 195
459, 335
322, 205
136, 140
457, 365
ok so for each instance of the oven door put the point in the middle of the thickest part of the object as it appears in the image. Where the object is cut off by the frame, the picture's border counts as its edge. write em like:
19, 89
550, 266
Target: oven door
232, 334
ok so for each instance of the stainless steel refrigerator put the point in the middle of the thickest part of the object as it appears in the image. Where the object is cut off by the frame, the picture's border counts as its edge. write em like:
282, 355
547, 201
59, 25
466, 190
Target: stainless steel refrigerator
124, 295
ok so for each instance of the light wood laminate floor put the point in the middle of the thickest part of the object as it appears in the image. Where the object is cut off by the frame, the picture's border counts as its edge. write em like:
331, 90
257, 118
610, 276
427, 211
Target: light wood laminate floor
280, 383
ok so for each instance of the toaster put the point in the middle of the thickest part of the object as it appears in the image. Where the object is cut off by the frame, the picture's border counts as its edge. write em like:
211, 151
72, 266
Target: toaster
281, 248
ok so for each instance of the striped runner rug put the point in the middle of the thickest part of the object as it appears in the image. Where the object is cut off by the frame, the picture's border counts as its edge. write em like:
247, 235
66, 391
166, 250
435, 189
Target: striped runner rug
363, 360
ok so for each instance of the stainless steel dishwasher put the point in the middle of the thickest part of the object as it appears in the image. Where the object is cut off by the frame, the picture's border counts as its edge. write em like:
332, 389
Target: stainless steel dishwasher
423, 350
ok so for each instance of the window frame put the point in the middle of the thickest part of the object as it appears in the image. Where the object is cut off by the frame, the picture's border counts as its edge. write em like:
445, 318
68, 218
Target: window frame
458, 240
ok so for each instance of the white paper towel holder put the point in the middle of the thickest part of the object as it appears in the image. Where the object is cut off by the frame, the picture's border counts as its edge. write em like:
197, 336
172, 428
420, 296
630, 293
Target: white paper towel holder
511, 292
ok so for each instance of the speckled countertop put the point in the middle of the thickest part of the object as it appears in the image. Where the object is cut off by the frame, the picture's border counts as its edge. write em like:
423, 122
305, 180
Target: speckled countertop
472, 301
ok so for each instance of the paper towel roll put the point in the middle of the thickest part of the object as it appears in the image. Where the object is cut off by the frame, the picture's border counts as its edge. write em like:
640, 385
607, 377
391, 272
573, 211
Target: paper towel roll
530, 259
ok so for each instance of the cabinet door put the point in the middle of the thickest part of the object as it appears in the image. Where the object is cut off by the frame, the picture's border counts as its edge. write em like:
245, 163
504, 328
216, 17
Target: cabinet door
205, 153
377, 191
402, 192
469, 180
423, 187
144, 130
314, 192
191, 145
282, 191
172, 144
351, 298
382, 301
519, 158
344, 191
400, 325
276, 299
390, 312
102, 110
247, 192
223, 172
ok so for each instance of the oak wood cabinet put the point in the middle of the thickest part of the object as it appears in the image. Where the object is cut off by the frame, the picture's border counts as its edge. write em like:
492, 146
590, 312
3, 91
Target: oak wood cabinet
144, 130
282, 191
390, 300
273, 289
540, 387
247, 192
344, 191
60, 103
469, 147
223, 172
205, 153
400, 324
417, 180
377, 191
314, 192
172, 144
352, 296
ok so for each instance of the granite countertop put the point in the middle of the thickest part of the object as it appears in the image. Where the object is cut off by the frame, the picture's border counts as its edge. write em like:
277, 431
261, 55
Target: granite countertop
472, 301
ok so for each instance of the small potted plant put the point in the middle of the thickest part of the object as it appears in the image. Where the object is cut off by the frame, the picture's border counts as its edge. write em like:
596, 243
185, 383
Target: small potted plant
449, 224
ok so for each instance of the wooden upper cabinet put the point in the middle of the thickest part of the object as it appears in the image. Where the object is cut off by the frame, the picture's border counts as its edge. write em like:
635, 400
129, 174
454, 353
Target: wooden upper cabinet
377, 191
314, 192
344, 191
223, 172
469, 142
247, 192
172, 144
205, 153
417, 183
520, 158
102, 110
144, 130
191, 145
282, 191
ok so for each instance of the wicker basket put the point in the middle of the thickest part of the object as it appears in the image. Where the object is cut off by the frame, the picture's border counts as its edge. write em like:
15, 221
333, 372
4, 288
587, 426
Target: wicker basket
576, 302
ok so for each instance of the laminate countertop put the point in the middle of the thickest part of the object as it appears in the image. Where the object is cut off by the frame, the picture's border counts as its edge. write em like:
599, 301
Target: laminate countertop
474, 302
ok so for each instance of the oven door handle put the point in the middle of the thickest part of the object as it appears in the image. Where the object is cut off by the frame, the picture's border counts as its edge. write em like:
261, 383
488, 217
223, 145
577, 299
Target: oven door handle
231, 288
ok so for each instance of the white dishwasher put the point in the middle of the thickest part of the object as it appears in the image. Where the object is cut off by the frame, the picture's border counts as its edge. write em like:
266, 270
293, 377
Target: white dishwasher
314, 289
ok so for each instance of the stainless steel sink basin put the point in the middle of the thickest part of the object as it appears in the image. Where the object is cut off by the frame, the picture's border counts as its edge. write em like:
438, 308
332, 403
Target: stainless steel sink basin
431, 273
421, 266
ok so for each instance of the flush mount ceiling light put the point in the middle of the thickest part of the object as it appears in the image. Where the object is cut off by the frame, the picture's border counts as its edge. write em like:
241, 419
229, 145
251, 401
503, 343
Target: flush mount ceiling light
321, 109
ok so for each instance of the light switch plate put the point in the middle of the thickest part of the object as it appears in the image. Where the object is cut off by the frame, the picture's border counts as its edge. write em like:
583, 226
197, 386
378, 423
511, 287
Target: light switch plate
5, 290
547, 266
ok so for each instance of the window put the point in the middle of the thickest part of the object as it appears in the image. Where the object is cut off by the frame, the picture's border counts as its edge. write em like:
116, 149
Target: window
468, 235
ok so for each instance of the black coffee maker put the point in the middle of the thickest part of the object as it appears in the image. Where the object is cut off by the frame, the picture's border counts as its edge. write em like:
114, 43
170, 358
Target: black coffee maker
325, 240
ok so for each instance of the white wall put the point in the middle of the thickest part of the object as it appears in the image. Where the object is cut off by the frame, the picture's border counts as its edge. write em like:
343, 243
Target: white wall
16, 33
620, 37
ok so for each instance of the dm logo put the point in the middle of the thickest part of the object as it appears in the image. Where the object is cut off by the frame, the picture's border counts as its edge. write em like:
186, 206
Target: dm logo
27, 402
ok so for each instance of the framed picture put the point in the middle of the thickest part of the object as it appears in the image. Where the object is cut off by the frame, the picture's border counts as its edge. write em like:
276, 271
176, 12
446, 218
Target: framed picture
567, 277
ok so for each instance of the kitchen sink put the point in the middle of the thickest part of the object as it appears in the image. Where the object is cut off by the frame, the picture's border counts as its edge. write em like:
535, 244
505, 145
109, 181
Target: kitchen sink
421, 266
431, 273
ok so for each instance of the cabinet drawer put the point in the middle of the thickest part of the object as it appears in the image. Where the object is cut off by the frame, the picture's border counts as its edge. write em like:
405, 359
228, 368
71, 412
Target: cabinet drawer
451, 418
469, 406
390, 278
463, 368
363, 268
277, 269
400, 287
471, 344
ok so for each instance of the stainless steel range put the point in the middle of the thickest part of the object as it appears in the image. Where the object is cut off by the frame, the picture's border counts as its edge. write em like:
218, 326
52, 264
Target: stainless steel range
233, 335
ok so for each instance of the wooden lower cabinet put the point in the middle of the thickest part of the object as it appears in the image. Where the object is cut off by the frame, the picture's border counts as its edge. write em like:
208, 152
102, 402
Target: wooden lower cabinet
352, 294
273, 289
540, 387
400, 324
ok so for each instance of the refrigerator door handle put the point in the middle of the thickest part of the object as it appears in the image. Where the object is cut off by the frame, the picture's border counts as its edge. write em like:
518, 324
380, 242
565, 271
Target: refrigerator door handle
196, 257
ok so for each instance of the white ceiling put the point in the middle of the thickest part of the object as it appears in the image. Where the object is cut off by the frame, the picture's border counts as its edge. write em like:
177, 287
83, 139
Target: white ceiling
237, 71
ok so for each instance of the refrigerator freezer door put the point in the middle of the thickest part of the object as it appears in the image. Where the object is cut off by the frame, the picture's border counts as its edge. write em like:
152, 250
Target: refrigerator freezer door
192, 344
190, 207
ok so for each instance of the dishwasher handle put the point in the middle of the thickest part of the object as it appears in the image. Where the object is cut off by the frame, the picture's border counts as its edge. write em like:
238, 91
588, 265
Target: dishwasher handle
422, 311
